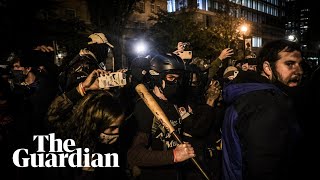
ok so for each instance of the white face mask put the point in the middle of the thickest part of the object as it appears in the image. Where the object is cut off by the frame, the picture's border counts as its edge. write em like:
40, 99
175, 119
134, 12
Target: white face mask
108, 138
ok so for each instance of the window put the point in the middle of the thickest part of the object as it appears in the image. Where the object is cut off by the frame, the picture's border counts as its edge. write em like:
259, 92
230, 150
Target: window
199, 4
249, 3
182, 3
256, 41
216, 5
260, 6
254, 17
264, 7
141, 7
158, 8
254, 5
153, 10
202, 4
171, 5
250, 16
268, 9
245, 14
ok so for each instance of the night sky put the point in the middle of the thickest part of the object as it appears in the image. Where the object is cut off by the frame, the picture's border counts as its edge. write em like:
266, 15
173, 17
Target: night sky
315, 15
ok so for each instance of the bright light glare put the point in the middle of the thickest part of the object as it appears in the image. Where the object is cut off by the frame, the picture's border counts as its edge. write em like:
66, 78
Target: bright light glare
59, 55
140, 47
291, 38
244, 28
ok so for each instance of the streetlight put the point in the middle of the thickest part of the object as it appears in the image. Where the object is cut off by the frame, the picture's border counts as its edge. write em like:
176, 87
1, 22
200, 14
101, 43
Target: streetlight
140, 47
292, 38
244, 29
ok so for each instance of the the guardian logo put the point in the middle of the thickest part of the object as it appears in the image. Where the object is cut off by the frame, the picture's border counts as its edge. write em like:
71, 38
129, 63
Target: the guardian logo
62, 154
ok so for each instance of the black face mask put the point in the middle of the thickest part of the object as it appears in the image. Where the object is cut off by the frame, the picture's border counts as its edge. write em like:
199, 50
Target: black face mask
171, 91
102, 52
18, 76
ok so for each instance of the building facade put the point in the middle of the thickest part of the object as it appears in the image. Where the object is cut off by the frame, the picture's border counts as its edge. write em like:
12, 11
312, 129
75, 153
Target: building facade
298, 28
265, 16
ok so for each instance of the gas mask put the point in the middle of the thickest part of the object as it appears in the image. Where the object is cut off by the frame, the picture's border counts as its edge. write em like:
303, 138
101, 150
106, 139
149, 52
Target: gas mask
108, 138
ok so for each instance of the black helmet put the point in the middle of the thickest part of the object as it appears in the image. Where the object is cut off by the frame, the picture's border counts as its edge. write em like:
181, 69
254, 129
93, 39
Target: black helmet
167, 63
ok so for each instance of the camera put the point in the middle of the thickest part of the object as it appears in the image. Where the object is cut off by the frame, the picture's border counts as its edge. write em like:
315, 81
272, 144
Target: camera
112, 80
185, 44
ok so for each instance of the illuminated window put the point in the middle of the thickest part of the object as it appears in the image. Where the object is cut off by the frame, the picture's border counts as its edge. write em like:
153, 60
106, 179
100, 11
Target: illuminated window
254, 5
171, 5
249, 3
202, 4
256, 41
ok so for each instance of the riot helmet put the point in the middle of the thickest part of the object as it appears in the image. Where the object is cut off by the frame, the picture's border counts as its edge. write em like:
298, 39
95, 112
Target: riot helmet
167, 63
169, 68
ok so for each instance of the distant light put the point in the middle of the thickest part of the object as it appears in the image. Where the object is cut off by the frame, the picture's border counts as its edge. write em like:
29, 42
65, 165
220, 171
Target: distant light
244, 28
59, 55
291, 37
140, 47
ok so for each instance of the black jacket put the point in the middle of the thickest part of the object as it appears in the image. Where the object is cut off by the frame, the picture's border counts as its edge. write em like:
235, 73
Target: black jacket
260, 131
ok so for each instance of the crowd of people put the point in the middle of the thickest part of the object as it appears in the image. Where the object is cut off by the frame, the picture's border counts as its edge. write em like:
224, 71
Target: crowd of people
244, 120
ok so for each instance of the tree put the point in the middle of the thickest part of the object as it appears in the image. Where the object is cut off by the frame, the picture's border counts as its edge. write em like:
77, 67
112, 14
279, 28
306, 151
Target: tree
170, 28
227, 21
206, 41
